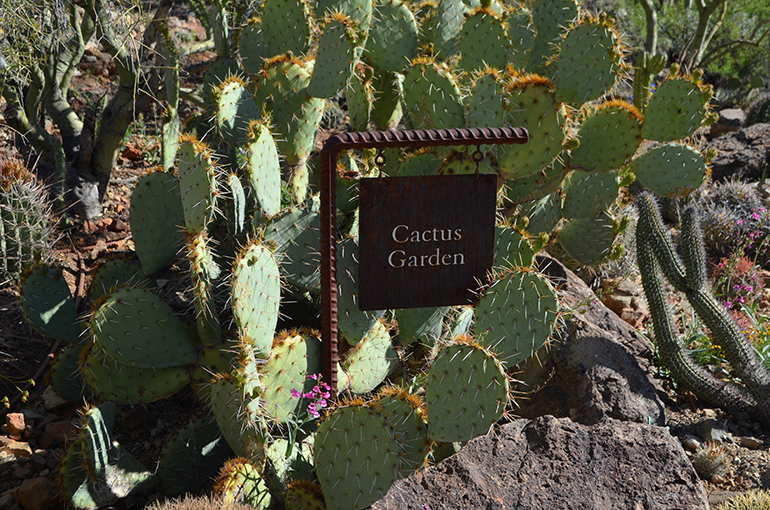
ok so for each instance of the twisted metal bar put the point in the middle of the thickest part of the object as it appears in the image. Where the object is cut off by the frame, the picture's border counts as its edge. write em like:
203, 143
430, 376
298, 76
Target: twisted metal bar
375, 140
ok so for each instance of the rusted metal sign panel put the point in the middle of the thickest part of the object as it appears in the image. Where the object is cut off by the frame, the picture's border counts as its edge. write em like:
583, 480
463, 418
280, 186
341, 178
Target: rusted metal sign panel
424, 241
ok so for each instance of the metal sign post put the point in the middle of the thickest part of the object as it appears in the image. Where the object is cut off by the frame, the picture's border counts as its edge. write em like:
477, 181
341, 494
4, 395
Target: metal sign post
379, 140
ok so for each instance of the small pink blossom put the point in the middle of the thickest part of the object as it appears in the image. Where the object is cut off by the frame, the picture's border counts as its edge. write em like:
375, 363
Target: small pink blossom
295, 393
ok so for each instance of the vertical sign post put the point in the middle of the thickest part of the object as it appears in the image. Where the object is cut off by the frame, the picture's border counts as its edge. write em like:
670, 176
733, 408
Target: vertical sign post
434, 240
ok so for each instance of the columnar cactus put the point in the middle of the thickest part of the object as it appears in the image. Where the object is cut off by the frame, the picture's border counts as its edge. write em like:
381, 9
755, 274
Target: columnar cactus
656, 253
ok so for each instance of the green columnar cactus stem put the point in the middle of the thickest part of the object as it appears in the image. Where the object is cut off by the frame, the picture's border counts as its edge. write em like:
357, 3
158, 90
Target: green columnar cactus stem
655, 249
646, 69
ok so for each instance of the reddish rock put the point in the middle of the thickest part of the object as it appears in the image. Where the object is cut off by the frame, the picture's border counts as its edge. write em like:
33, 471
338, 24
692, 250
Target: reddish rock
118, 225
60, 433
13, 447
131, 153
37, 494
16, 425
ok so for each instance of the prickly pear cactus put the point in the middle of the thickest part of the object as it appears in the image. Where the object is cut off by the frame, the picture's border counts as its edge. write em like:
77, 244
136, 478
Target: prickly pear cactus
466, 392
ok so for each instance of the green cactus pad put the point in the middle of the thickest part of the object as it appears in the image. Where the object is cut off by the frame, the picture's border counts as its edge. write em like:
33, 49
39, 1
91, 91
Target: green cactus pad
442, 28
387, 107
130, 385
48, 306
304, 495
517, 315
353, 323
192, 458
588, 194
522, 35
421, 163
676, 110
65, 376
336, 56
588, 63
293, 357
485, 105
204, 272
552, 17
136, 328
217, 72
588, 240
432, 97
543, 214
281, 470
357, 457
263, 170
360, 97
608, 138
97, 471
359, 10
256, 294
157, 220
392, 39
371, 361
537, 185
483, 42
251, 46
406, 414
420, 324
466, 393
286, 27
241, 481
672, 169
244, 428
297, 239
235, 109
531, 105
114, 273
197, 184
512, 249
282, 88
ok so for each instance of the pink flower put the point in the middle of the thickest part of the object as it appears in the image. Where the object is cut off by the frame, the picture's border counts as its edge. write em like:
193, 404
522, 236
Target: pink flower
312, 410
295, 393
313, 376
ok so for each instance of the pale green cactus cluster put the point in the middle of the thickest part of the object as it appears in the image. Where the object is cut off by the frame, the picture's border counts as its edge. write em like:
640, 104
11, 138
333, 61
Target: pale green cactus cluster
239, 214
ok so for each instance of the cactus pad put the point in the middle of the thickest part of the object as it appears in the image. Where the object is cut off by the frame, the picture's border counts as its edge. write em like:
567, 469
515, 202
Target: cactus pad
235, 109
608, 138
512, 249
336, 55
297, 239
263, 170
392, 39
357, 457
672, 169
466, 393
256, 293
588, 194
589, 240
371, 360
136, 328
130, 385
531, 105
286, 27
293, 357
676, 110
432, 97
157, 220
197, 184
588, 62
517, 315
483, 41
48, 305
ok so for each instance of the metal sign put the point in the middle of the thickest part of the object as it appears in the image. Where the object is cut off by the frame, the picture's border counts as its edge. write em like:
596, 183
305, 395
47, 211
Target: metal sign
328, 183
424, 241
